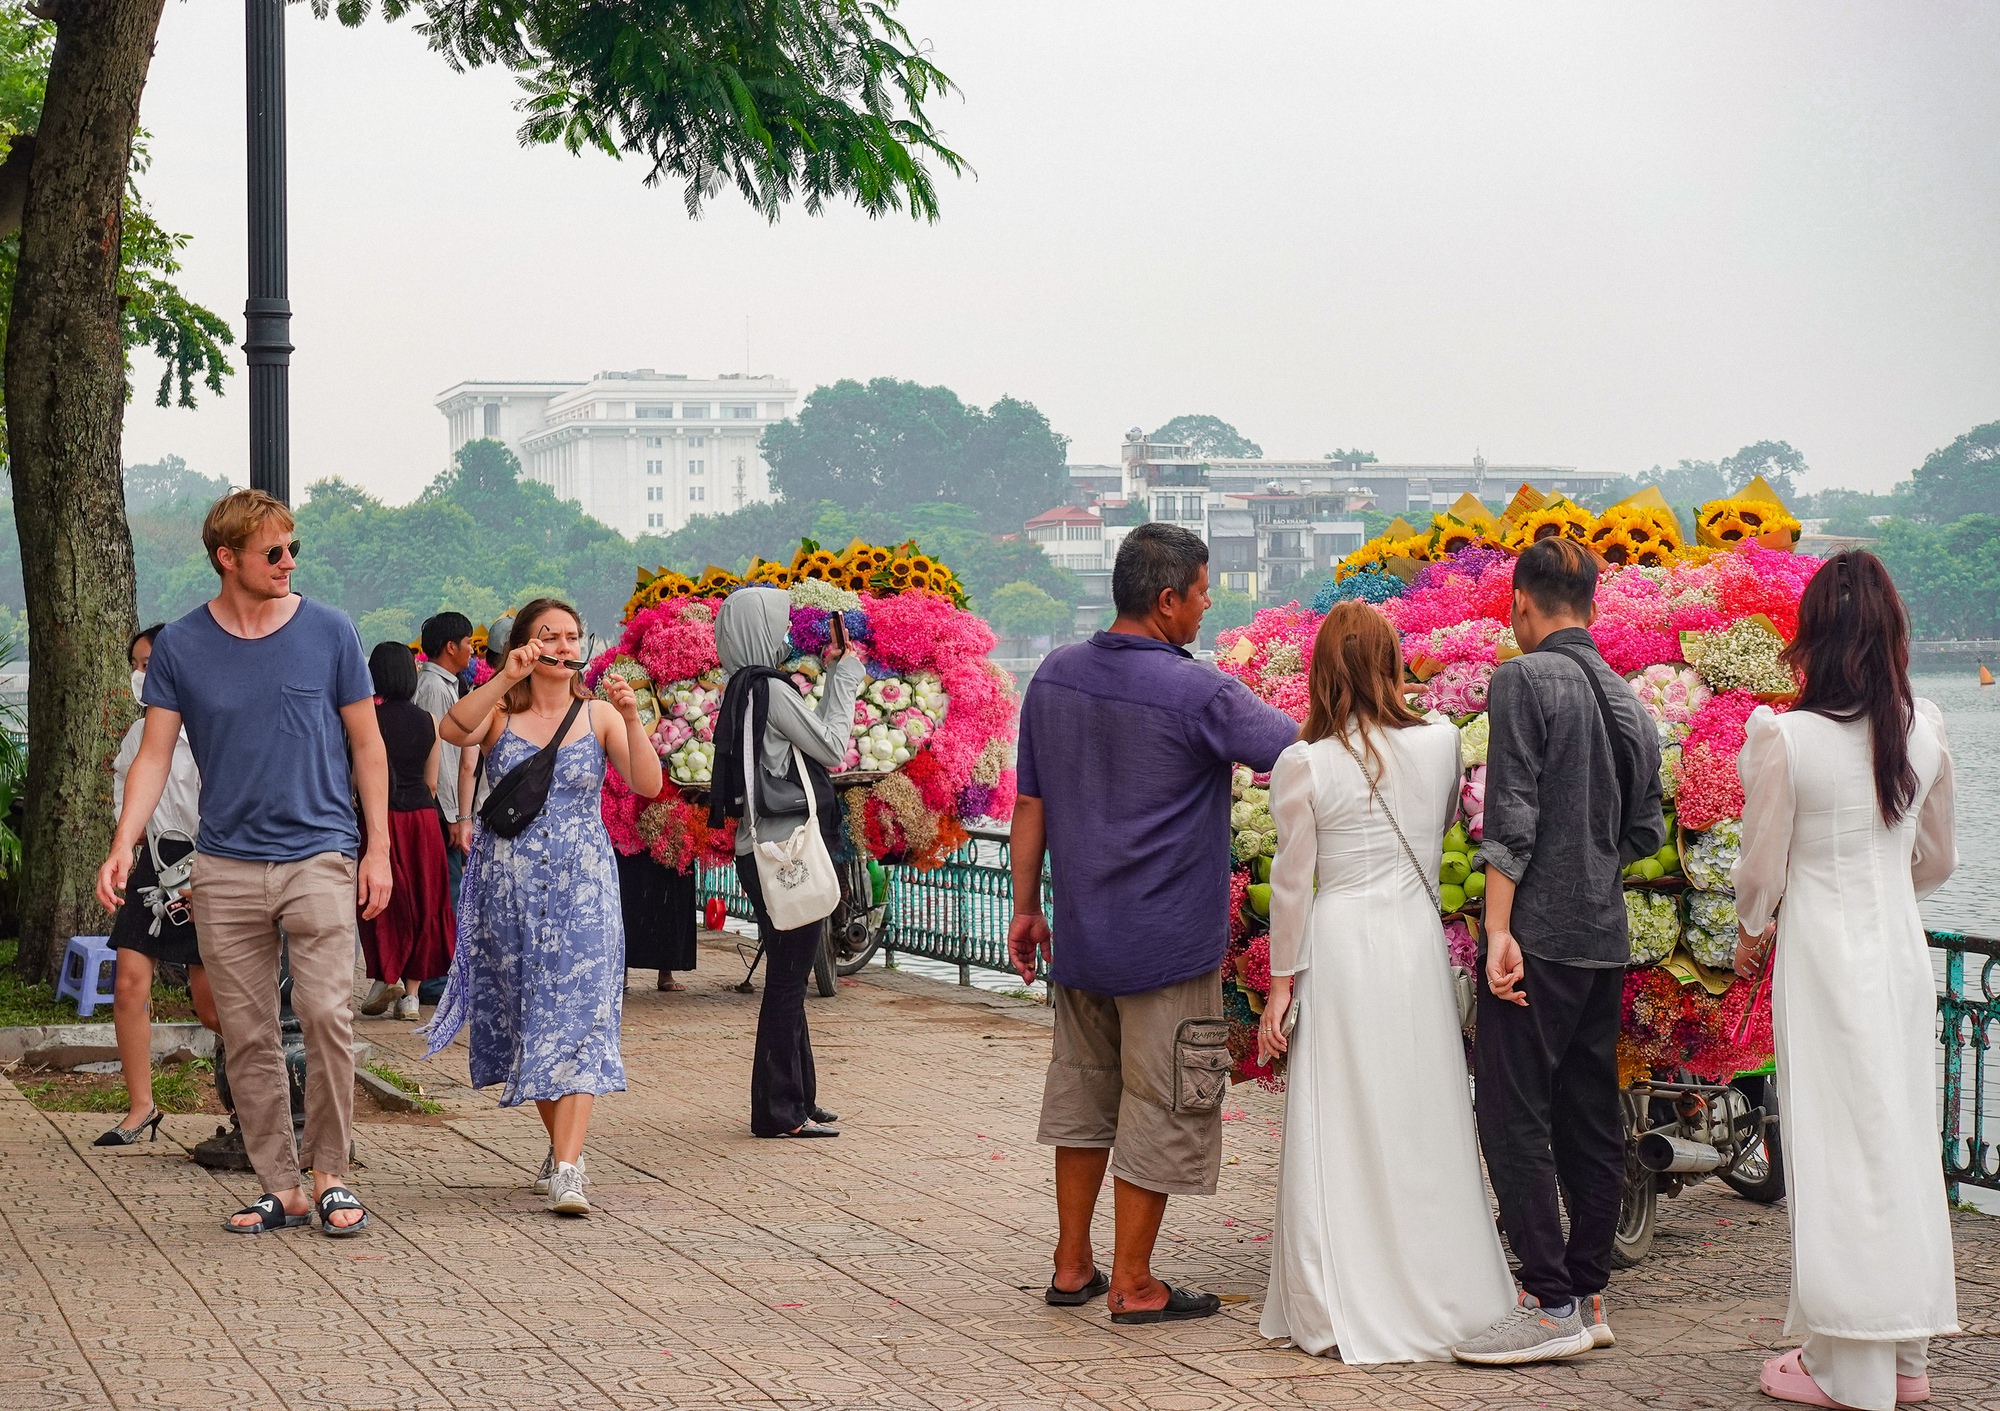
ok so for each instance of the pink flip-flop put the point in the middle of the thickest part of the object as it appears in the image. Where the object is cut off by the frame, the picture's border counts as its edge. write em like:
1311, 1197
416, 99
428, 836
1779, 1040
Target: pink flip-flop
1917, 1388
1785, 1377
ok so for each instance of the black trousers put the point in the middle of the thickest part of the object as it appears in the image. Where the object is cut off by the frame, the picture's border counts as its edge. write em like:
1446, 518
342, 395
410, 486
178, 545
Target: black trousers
783, 1088
1546, 1086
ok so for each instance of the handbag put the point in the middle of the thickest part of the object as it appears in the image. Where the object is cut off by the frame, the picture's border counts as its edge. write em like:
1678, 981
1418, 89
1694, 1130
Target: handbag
799, 883
1463, 984
518, 795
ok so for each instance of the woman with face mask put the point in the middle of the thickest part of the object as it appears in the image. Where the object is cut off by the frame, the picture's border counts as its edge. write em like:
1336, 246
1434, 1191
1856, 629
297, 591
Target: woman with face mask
154, 926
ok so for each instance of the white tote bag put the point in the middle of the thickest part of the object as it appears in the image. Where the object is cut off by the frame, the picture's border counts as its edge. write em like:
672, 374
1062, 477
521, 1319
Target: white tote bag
800, 886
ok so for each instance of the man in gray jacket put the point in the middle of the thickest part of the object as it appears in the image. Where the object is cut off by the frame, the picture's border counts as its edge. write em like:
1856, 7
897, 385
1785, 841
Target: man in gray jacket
1572, 794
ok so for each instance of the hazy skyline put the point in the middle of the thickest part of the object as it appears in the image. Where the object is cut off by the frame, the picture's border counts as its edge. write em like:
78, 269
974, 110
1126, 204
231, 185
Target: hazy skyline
1594, 236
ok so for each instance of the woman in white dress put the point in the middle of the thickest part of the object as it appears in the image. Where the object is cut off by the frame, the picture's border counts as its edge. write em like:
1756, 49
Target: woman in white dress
1385, 1245
1847, 819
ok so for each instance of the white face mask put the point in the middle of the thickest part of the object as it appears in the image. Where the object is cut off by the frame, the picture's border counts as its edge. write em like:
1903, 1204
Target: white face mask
139, 686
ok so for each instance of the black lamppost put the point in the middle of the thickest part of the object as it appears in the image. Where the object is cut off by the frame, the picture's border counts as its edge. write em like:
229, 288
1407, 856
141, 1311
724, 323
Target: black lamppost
267, 316
267, 346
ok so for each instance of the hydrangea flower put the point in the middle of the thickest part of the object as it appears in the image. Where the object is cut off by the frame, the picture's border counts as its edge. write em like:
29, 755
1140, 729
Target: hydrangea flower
1711, 929
1653, 918
1711, 856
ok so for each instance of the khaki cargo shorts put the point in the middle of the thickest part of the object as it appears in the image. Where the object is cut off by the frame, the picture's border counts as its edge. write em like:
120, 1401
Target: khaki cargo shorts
1143, 1075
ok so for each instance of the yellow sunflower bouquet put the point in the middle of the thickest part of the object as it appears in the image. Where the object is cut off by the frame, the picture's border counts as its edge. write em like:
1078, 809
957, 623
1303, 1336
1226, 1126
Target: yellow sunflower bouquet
1557, 516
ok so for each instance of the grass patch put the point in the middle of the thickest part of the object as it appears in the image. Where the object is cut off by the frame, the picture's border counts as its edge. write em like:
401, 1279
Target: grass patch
407, 1086
23, 1003
178, 1087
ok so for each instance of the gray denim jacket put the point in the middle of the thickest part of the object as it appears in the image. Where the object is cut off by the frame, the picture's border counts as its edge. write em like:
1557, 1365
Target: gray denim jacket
1558, 822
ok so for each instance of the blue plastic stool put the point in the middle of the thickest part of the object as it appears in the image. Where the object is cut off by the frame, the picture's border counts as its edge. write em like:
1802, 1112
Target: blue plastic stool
89, 973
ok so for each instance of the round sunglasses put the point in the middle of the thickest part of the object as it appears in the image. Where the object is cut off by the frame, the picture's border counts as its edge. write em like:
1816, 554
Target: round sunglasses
275, 552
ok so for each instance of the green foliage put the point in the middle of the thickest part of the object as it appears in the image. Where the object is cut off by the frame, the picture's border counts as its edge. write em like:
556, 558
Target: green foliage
1688, 484
187, 338
784, 100
1961, 479
1208, 436
177, 1087
1949, 575
1358, 457
1227, 609
1019, 611
169, 479
891, 444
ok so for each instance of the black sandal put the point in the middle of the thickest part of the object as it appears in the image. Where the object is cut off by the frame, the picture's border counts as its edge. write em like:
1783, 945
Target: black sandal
1076, 1298
808, 1128
340, 1198
1182, 1304
270, 1213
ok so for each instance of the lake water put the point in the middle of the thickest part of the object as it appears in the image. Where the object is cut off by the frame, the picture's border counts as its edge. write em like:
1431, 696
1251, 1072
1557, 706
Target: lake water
1970, 901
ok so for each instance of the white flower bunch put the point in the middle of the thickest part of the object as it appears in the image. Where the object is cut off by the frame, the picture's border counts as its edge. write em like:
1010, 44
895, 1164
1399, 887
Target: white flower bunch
1670, 772
818, 593
1254, 831
692, 763
1711, 929
1711, 857
1654, 920
1473, 739
1741, 657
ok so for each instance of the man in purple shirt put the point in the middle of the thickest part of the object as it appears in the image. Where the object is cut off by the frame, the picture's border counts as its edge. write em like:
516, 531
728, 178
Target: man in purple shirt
1126, 748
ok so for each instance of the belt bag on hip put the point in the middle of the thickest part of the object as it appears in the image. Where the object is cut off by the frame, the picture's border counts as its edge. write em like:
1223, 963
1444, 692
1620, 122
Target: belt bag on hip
518, 795
800, 887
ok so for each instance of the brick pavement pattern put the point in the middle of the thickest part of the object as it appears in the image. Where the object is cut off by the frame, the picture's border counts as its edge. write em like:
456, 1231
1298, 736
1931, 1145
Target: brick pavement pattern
898, 1267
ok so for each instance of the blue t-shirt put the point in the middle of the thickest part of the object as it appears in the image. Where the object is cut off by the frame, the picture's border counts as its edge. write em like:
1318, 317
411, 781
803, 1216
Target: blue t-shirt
1128, 743
263, 717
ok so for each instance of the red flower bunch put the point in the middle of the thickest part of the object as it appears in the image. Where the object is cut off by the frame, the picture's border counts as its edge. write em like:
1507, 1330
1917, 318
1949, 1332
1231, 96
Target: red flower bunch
1709, 787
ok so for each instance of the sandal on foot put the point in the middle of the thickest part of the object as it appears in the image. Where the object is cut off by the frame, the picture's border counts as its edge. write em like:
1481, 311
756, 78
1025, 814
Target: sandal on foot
1917, 1388
1786, 1378
1182, 1304
340, 1198
1076, 1298
820, 1114
270, 1213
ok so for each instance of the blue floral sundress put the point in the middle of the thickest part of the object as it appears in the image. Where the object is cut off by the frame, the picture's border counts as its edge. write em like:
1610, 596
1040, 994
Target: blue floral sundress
539, 975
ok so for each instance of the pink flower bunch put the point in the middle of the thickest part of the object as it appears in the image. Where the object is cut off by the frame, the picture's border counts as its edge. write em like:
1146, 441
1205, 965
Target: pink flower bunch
921, 631
1755, 579
1459, 689
1255, 967
1460, 945
1468, 564
1627, 648
482, 672
1450, 600
1471, 641
1285, 634
1472, 802
1709, 788
1495, 598
674, 641
1672, 696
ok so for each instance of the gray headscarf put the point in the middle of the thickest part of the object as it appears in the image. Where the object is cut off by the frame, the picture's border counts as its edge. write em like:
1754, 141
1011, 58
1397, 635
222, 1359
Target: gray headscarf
752, 628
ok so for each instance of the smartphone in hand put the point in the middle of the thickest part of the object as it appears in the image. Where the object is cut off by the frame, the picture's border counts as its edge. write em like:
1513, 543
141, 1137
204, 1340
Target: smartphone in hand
839, 629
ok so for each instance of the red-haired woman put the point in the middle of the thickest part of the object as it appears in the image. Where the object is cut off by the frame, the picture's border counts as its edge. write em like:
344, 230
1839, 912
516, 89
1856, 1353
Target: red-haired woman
1385, 1262
1847, 819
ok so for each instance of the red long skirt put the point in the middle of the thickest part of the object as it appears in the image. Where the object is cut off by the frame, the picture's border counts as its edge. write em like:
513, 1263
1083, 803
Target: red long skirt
414, 936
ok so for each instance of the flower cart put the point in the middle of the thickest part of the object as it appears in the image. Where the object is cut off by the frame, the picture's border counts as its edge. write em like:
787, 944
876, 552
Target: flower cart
930, 746
1696, 629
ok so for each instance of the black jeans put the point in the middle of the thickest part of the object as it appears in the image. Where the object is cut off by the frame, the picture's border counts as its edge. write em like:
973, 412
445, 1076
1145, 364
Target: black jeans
783, 1088
1546, 1085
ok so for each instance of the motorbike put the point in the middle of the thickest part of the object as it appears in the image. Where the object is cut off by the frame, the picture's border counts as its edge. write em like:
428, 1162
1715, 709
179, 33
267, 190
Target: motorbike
1678, 1132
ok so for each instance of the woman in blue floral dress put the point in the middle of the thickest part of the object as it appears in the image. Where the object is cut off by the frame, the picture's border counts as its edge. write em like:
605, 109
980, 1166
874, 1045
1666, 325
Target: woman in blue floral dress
540, 965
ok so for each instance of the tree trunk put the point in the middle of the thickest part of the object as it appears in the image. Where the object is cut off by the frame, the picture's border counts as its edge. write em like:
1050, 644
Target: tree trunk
65, 398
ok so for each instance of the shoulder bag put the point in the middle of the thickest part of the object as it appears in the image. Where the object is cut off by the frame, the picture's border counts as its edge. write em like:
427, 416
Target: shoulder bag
799, 883
1463, 982
1621, 749
518, 795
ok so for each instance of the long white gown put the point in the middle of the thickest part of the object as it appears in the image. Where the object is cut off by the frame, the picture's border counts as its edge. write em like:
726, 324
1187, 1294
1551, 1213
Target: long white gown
1385, 1246
1854, 1009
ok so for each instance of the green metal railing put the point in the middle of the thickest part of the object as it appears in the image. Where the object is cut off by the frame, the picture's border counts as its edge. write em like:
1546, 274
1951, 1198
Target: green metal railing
956, 913
1967, 1025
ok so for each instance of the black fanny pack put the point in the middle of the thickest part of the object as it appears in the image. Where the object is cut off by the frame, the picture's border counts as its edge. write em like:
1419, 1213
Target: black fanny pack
519, 794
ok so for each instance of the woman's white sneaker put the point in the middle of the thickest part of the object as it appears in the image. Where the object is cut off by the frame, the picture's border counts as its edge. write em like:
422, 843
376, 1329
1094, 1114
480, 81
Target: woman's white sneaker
566, 1195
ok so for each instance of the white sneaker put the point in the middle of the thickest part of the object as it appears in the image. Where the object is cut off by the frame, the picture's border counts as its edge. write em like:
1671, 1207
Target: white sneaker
406, 1008
1528, 1334
378, 999
566, 1195
1599, 1326
548, 1170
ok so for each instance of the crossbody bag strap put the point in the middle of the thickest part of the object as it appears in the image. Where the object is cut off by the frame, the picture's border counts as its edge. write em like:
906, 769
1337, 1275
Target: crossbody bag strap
1621, 750
1408, 851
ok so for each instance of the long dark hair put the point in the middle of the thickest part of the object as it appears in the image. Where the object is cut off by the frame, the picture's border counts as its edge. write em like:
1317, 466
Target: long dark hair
1357, 670
1852, 658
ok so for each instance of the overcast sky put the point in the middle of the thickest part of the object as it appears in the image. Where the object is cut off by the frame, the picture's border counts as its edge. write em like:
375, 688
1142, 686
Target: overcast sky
1606, 236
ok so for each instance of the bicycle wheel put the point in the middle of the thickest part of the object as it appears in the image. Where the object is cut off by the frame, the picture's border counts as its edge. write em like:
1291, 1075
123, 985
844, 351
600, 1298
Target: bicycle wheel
823, 963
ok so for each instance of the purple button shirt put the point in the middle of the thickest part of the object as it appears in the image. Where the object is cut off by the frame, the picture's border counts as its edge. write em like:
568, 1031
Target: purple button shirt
1128, 741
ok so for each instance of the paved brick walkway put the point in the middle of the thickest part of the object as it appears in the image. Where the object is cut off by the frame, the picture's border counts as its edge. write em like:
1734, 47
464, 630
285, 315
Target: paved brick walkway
895, 1267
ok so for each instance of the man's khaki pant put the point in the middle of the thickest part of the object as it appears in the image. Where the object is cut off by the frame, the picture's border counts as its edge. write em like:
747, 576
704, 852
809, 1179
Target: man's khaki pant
239, 908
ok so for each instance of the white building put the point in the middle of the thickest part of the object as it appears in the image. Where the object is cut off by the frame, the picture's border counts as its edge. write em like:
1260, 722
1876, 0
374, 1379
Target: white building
642, 451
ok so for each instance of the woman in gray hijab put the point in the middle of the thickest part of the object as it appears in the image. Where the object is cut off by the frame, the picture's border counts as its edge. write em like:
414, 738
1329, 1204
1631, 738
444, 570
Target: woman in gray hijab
752, 637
